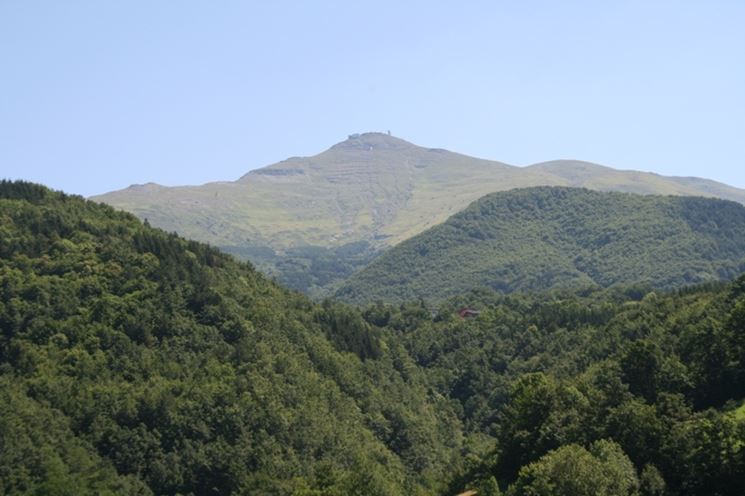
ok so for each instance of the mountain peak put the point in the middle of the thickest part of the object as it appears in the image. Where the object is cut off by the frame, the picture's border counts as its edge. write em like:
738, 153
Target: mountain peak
146, 187
371, 187
371, 141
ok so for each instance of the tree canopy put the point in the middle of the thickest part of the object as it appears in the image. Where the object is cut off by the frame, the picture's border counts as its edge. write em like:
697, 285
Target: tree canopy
537, 239
133, 361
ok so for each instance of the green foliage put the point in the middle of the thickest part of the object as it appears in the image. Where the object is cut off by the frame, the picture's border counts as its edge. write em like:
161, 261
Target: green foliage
651, 482
543, 238
40, 454
571, 470
539, 372
134, 361
349, 331
317, 271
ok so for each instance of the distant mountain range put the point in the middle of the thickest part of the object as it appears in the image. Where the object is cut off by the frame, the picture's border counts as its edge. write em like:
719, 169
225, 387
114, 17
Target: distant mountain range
554, 237
371, 187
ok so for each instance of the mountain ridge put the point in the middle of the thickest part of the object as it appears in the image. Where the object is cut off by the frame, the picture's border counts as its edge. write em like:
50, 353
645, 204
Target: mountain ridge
558, 237
372, 187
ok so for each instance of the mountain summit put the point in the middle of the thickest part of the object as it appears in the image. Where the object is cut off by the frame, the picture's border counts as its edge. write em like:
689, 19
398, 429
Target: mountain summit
370, 187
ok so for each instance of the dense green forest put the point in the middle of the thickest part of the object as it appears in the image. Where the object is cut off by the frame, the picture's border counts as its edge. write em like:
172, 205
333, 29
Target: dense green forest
536, 239
135, 362
570, 390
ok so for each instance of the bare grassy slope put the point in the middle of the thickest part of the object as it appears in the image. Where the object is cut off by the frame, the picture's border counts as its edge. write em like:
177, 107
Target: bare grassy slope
371, 187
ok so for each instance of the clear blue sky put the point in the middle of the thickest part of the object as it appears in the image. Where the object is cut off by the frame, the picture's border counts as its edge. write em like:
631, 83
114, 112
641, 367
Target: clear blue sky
96, 95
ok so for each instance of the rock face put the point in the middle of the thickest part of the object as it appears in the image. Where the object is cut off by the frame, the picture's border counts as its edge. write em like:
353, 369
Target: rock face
371, 187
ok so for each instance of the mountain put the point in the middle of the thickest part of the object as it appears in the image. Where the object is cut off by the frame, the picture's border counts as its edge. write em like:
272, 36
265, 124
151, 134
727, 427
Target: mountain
135, 362
597, 177
552, 237
371, 187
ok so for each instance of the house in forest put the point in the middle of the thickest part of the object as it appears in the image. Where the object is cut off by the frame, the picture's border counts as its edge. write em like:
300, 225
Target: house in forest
466, 313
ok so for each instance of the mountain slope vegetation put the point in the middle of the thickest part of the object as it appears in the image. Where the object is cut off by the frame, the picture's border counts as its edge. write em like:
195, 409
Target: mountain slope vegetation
133, 361
621, 391
551, 237
373, 189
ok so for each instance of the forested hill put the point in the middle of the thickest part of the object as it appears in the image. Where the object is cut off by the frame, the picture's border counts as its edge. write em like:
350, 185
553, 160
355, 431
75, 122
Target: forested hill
616, 392
551, 237
135, 362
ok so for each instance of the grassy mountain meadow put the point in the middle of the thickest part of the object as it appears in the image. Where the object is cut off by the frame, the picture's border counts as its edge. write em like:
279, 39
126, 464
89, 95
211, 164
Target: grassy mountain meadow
541, 238
313, 221
133, 361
